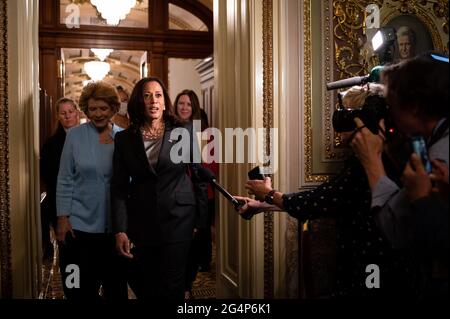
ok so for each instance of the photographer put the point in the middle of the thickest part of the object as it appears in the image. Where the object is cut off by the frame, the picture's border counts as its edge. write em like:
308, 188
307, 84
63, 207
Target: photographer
347, 199
417, 93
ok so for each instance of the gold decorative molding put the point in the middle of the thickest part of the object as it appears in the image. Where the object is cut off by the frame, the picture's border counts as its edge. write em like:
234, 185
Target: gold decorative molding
349, 25
425, 9
328, 71
308, 88
268, 124
5, 233
349, 16
307, 78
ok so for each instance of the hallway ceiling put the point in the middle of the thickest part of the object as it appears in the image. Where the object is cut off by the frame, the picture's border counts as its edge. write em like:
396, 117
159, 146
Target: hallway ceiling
179, 19
125, 69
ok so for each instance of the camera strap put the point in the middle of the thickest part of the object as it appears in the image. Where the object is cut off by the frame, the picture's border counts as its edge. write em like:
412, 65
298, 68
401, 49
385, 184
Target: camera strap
440, 132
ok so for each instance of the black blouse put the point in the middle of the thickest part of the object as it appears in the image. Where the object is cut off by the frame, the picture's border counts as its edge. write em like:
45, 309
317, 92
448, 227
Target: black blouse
359, 241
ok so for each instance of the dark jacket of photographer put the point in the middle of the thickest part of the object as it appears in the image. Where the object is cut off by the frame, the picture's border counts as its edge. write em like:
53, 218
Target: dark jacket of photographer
359, 242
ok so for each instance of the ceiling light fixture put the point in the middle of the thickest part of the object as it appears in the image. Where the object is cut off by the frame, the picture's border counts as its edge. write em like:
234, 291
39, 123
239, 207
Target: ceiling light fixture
102, 53
113, 10
96, 70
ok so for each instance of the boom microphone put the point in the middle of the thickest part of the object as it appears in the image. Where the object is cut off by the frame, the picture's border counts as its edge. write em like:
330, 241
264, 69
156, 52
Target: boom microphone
373, 76
356, 80
206, 175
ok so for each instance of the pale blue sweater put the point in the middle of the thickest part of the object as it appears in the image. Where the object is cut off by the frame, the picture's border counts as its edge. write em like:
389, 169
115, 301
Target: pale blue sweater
83, 189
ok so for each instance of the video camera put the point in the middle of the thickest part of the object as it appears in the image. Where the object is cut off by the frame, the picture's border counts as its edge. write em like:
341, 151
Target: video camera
373, 110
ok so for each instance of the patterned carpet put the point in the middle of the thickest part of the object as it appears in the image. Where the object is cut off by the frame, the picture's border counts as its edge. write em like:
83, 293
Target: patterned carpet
204, 286
51, 278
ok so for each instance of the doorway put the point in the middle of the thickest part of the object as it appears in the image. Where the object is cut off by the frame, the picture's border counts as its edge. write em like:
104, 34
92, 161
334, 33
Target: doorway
157, 38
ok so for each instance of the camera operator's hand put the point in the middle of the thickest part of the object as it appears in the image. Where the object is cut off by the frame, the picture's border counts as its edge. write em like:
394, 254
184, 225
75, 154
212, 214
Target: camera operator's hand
439, 176
369, 147
259, 188
415, 179
440, 172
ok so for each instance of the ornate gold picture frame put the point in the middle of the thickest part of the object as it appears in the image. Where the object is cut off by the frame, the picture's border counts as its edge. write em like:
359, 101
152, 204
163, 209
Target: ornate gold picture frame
349, 28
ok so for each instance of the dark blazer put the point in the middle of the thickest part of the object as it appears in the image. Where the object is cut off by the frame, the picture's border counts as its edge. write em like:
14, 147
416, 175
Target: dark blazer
155, 206
49, 167
359, 242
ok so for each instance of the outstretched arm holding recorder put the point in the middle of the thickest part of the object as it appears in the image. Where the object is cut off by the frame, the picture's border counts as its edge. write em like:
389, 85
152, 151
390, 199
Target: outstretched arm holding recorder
346, 192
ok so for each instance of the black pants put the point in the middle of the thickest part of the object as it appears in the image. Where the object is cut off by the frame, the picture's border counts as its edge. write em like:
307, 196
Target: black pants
200, 253
98, 264
48, 218
192, 263
204, 239
159, 271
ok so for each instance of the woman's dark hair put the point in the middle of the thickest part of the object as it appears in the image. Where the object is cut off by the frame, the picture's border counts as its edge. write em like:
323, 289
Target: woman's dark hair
194, 103
419, 84
136, 104
99, 90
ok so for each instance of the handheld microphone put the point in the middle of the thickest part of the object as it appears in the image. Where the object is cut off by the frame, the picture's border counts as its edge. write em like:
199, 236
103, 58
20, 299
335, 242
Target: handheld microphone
206, 175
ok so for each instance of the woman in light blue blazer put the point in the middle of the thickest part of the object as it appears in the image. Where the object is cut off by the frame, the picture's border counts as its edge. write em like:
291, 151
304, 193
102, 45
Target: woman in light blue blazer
88, 260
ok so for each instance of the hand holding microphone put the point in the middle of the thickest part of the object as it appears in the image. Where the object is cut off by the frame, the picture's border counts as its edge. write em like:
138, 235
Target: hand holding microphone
252, 207
208, 176
257, 185
259, 188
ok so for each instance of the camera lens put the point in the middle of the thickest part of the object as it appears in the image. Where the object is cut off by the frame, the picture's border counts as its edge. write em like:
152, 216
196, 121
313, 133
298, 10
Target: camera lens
373, 110
343, 120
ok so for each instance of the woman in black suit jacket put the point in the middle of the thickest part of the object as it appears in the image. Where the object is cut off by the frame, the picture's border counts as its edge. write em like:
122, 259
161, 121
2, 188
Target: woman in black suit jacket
68, 116
156, 205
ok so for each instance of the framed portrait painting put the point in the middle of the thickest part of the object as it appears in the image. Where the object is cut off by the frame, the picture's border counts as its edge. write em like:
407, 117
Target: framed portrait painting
413, 37
419, 27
